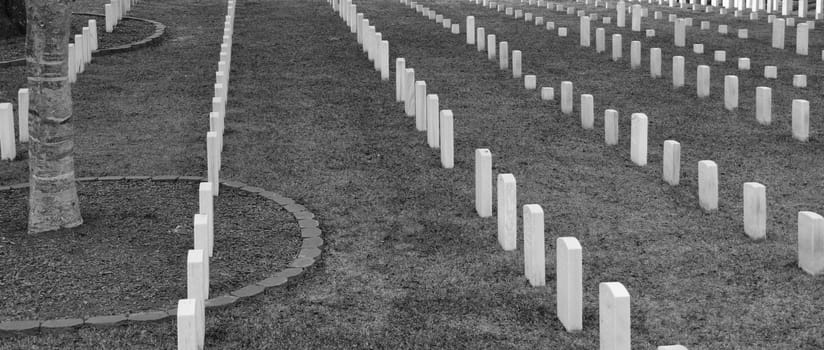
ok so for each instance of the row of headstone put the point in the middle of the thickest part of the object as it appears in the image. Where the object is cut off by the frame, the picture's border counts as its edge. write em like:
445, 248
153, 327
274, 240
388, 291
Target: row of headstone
80, 52
114, 12
8, 147
191, 312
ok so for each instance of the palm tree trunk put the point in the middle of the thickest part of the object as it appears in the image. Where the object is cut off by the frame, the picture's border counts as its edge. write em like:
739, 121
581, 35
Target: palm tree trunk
53, 202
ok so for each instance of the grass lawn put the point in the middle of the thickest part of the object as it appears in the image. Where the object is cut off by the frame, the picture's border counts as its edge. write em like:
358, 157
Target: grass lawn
408, 264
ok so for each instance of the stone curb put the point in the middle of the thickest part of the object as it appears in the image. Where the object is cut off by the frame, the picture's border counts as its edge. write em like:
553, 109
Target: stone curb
310, 253
153, 39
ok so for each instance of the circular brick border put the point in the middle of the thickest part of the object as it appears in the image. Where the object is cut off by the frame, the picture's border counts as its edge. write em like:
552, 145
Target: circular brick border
153, 39
310, 252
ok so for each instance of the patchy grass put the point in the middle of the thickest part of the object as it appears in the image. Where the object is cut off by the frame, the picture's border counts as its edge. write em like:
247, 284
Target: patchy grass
410, 265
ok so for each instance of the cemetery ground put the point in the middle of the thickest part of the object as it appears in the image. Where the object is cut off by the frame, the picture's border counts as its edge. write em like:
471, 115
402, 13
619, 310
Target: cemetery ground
407, 262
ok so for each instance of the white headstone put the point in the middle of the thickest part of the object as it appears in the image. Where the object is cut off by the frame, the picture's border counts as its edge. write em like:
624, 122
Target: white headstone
635, 54
569, 283
547, 93
503, 55
490, 46
650, 33
621, 14
708, 185
720, 56
587, 111
744, 63
409, 92
585, 32
636, 18
7, 142
755, 210
206, 207
801, 120
672, 347
778, 33
680, 36
213, 160
672, 162
611, 127
383, 58
23, 114
516, 64
470, 30
616, 47
743, 34
655, 62
562, 32
703, 81
698, 48
811, 242
480, 39
730, 92
420, 105
534, 245
433, 134
197, 275
614, 316
447, 139
201, 231
483, 182
600, 45
802, 39
705, 25
400, 72
110, 17
530, 82
507, 212
190, 324
566, 97
638, 139
677, 71
763, 105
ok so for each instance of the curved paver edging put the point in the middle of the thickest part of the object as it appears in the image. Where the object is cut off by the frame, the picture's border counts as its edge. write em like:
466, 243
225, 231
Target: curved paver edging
153, 39
310, 252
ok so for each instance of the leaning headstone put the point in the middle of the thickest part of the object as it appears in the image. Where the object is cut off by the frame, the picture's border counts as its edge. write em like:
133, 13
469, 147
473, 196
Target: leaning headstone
503, 55
778, 33
672, 162
530, 82
800, 80
635, 54
470, 30
611, 127
483, 182
433, 135
730, 92
516, 64
638, 139
801, 120
703, 81
600, 45
23, 114
480, 39
534, 245
743, 63
616, 47
7, 142
197, 275
420, 105
190, 324
507, 212
614, 316
755, 210
802, 39
677, 71
447, 139
763, 105
811, 242
655, 62
569, 283
400, 71
708, 185
566, 97
587, 111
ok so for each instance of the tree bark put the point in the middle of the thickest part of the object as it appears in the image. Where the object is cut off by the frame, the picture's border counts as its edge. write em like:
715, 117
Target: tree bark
12, 18
53, 201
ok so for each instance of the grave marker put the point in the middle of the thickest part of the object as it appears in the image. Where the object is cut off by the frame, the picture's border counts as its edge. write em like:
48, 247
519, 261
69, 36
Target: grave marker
420, 105
7, 142
534, 245
705, 25
621, 13
720, 56
483, 182
201, 230
587, 111
703, 81
802, 39
23, 114
672, 162
433, 121
516, 64
490, 46
778, 33
730, 92
562, 32
530, 82
743, 34
400, 71
614, 316
479, 34
110, 17
569, 283
638, 139
763, 105
383, 54
190, 324
755, 210
409, 92
547, 93
800, 81
655, 62
611, 127
722, 29
677, 71
456, 28
698, 48
744, 63
206, 208
650, 33
213, 160
566, 97
470, 30
811, 242
585, 31
636, 18
680, 36
708, 185
600, 45
197, 275
616, 47
801, 120
447, 139
507, 212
